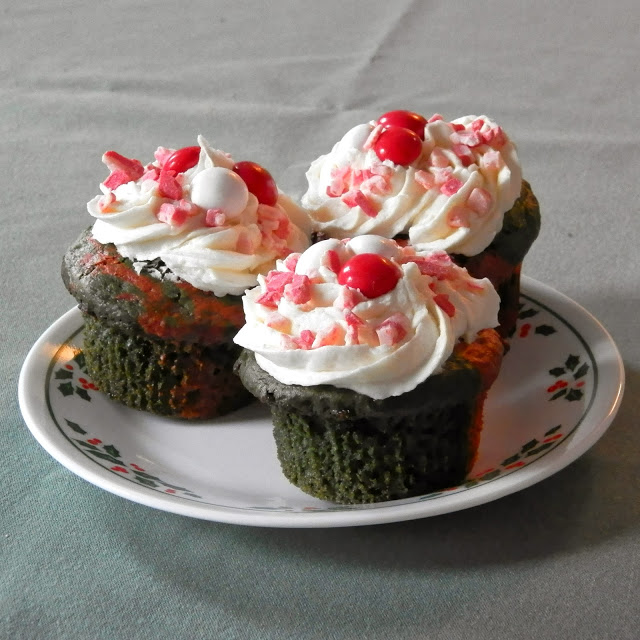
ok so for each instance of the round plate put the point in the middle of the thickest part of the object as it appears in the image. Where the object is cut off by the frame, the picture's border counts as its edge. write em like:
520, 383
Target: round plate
558, 391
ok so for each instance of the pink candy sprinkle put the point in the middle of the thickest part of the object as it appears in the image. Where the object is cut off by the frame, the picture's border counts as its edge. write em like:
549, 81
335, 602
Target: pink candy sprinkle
477, 124
347, 298
442, 174
291, 261
168, 186
332, 337
458, 217
464, 153
479, 200
381, 170
358, 199
278, 322
215, 218
305, 341
393, 329
172, 215
495, 137
283, 228
106, 200
491, 160
373, 137
116, 179
244, 244
150, 173
162, 154
277, 280
438, 158
470, 138
331, 260
376, 184
352, 319
287, 342
442, 300
451, 186
117, 162
298, 290
424, 179
340, 177
436, 265
366, 205
435, 117
269, 299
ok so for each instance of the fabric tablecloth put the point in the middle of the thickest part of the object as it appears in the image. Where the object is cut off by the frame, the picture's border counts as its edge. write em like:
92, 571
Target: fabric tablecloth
279, 82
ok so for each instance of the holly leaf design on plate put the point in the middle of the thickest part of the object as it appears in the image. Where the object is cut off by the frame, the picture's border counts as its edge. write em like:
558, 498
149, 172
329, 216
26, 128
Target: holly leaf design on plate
105, 456
80, 360
111, 450
66, 389
83, 393
527, 313
76, 427
529, 445
63, 374
574, 394
545, 330
572, 362
557, 371
553, 430
558, 395
582, 371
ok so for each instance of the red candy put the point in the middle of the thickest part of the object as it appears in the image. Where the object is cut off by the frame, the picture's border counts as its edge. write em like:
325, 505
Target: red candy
258, 181
398, 144
182, 159
407, 119
370, 273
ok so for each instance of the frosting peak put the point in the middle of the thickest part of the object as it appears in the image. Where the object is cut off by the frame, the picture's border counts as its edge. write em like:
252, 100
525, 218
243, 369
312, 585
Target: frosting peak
191, 209
307, 328
451, 193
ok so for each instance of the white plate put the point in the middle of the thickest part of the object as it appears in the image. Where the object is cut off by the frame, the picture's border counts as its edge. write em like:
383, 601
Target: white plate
558, 391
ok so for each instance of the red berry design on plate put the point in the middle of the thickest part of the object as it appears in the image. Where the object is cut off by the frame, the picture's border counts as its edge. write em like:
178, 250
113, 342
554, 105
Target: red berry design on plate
258, 181
182, 159
370, 273
407, 119
398, 144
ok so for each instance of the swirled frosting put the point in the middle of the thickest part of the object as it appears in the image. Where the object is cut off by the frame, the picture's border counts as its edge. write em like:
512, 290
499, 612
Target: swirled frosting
453, 197
308, 329
203, 223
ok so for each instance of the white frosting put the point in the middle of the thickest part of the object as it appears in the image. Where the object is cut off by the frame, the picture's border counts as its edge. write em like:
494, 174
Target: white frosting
407, 203
312, 340
246, 239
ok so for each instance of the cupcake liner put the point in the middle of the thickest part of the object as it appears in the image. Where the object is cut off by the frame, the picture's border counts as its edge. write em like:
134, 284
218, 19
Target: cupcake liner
345, 447
164, 377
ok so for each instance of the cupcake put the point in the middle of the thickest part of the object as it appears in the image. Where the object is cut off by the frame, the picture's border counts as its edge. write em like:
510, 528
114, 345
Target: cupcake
159, 276
453, 186
375, 360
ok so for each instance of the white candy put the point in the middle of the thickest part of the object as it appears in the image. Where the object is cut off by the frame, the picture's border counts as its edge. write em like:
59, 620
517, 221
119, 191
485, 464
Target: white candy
219, 188
374, 244
312, 258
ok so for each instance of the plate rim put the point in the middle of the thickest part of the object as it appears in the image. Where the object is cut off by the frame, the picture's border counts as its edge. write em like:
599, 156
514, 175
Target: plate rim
47, 435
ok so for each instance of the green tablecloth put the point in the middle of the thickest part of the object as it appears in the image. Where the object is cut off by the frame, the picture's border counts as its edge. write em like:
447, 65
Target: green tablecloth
281, 81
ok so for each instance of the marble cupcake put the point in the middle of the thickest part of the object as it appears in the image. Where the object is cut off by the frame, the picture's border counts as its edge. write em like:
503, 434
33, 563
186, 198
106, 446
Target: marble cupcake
159, 276
454, 186
375, 360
